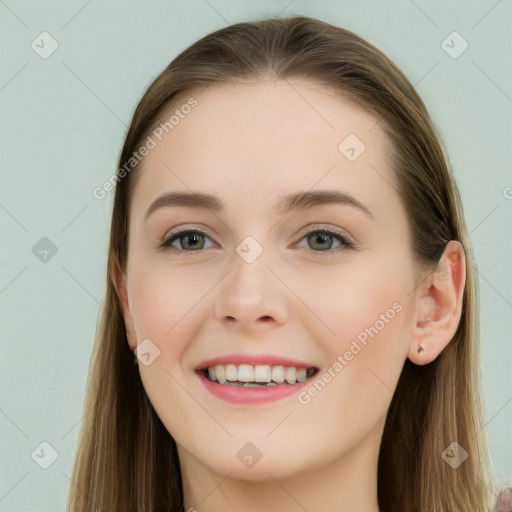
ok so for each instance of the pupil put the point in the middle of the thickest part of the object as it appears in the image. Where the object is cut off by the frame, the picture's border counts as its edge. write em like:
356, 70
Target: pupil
195, 238
322, 238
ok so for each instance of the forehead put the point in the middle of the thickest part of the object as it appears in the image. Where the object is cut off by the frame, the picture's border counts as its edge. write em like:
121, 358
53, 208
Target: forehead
250, 143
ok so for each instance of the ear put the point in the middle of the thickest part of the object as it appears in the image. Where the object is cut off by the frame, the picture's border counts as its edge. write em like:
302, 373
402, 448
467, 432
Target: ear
439, 305
119, 281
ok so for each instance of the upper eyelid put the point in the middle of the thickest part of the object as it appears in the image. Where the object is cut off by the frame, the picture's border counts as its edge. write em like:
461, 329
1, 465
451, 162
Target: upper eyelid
318, 227
183, 230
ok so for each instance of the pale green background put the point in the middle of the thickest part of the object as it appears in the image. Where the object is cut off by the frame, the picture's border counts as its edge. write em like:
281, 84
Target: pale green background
64, 119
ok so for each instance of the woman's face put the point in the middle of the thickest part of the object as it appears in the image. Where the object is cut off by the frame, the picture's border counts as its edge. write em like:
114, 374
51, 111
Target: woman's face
259, 283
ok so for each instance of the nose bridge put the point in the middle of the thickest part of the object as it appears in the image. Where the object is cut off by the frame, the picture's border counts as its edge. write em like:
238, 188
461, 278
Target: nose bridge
250, 291
250, 273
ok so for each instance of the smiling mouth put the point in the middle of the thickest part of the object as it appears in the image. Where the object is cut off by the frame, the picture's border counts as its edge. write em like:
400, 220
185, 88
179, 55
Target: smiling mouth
259, 376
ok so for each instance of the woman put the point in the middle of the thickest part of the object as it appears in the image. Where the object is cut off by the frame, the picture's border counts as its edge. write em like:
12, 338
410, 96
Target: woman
290, 265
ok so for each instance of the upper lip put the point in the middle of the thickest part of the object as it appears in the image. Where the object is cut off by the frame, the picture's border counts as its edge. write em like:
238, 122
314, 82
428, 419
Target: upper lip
238, 358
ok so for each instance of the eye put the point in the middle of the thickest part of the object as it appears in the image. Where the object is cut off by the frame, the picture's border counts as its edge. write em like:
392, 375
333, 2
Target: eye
189, 240
321, 240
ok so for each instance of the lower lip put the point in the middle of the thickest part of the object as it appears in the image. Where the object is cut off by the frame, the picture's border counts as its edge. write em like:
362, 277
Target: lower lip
238, 394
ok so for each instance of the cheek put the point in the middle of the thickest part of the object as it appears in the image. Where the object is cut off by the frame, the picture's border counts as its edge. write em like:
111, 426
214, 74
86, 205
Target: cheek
166, 304
370, 289
168, 307
369, 312
154, 304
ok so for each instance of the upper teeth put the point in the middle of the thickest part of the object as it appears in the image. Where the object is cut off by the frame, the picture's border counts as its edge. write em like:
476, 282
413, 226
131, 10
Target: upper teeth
259, 373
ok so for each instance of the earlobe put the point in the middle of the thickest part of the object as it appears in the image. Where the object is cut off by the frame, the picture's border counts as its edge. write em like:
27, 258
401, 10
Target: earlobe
119, 282
439, 305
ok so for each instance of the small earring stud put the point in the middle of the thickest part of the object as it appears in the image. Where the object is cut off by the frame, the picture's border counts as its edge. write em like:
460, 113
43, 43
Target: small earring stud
421, 348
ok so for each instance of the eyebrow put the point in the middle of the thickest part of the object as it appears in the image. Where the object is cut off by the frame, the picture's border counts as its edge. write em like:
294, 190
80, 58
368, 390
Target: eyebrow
295, 201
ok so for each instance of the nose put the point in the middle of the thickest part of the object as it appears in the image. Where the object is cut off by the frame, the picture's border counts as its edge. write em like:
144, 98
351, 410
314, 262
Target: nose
251, 296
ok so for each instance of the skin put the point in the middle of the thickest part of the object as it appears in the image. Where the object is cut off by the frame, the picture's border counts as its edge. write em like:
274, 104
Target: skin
250, 144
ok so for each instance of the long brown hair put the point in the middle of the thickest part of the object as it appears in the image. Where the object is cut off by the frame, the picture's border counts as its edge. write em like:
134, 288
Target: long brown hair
126, 459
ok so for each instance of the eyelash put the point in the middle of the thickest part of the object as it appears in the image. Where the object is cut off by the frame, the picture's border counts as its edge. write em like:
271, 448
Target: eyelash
345, 243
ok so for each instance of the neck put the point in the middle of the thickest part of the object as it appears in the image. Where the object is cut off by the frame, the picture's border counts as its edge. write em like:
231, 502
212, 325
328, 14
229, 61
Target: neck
344, 484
